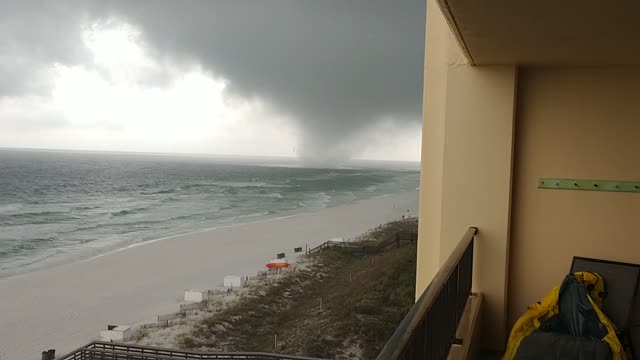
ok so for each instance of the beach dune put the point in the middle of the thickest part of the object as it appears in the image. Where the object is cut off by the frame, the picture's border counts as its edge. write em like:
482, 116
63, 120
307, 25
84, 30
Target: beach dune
66, 306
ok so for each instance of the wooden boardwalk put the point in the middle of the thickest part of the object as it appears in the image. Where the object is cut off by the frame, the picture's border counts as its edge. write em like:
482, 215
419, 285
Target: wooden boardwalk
398, 240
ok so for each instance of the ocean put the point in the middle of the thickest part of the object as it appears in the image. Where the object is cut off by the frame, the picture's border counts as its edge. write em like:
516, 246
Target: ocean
62, 206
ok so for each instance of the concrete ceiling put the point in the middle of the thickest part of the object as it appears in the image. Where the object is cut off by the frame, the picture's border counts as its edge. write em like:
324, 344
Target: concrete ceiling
561, 32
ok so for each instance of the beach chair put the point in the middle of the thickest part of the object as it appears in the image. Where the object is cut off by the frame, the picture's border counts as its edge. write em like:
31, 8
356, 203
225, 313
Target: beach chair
620, 305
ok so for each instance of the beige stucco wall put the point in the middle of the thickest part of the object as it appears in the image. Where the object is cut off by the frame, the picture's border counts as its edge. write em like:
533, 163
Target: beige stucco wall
434, 110
574, 123
468, 115
476, 187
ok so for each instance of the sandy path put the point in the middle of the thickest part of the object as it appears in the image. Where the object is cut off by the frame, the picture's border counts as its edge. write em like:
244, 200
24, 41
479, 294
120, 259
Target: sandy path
65, 307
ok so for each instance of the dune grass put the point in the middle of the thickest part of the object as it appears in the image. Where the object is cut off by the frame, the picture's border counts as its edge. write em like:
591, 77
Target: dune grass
338, 304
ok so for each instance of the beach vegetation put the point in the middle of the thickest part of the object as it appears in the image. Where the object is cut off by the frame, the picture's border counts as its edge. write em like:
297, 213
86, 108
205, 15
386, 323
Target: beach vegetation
337, 303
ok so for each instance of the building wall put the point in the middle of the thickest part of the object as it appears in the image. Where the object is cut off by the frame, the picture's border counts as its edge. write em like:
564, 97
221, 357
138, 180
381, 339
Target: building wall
434, 110
476, 187
468, 116
573, 123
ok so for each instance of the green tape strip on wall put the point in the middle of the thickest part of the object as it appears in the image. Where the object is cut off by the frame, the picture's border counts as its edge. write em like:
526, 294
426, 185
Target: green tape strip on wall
590, 185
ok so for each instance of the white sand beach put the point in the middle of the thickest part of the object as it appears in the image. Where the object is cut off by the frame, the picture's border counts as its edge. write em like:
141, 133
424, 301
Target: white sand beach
66, 306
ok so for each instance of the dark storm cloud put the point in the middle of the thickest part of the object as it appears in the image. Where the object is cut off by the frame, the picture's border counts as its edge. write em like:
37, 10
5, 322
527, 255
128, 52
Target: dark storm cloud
334, 66
33, 35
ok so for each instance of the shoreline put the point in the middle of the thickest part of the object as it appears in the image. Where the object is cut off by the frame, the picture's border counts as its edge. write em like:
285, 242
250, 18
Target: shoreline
65, 306
79, 259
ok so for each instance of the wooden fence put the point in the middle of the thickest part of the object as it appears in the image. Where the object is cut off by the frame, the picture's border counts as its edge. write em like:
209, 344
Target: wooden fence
174, 316
193, 306
396, 241
100, 350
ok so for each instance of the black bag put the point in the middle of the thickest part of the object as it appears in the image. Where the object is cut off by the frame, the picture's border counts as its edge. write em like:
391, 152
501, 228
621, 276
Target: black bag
576, 315
575, 333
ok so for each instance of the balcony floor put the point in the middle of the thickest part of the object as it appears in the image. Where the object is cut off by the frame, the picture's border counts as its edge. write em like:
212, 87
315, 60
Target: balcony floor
489, 355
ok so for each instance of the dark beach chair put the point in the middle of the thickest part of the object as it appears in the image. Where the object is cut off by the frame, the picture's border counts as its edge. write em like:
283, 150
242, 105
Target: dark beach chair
621, 283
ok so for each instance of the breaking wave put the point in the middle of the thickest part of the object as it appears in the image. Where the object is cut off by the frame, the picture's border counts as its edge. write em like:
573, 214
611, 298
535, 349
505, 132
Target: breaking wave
84, 208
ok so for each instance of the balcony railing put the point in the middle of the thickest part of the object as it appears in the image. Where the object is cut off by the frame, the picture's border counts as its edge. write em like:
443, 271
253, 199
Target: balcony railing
429, 329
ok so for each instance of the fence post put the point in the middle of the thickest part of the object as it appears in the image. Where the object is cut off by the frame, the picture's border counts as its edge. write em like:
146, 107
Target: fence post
49, 354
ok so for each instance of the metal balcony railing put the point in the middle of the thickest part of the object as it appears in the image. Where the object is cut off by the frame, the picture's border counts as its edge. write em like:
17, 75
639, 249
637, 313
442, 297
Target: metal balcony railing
429, 329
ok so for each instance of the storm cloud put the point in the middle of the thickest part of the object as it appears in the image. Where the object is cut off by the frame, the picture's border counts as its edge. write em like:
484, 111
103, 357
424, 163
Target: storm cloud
335, 67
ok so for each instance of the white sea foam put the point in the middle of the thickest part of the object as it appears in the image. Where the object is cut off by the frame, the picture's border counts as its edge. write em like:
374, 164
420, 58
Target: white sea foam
87, 209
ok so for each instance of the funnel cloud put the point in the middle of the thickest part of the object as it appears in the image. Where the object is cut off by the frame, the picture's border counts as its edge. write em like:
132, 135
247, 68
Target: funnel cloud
336, 69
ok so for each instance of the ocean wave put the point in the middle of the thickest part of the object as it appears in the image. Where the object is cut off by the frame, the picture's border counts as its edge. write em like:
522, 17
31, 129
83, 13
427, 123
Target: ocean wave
264, 213
34, 258
86, 228
167, 191
163, 191
113, 227
128, 211
85, 207
5, 208
27, 245
197, 185
225, 186
249, 184
134, 224
315, 200
35, 214
121, 213
272, 196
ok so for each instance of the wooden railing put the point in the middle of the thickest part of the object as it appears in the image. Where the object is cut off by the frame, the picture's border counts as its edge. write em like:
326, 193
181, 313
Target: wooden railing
100, 350
429, 329
335, 244
398, 238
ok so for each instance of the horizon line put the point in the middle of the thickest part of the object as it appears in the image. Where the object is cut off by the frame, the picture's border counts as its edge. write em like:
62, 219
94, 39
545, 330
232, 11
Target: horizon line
185, 154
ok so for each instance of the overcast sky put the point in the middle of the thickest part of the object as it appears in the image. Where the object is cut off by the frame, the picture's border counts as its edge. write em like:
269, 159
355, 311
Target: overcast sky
324, 80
